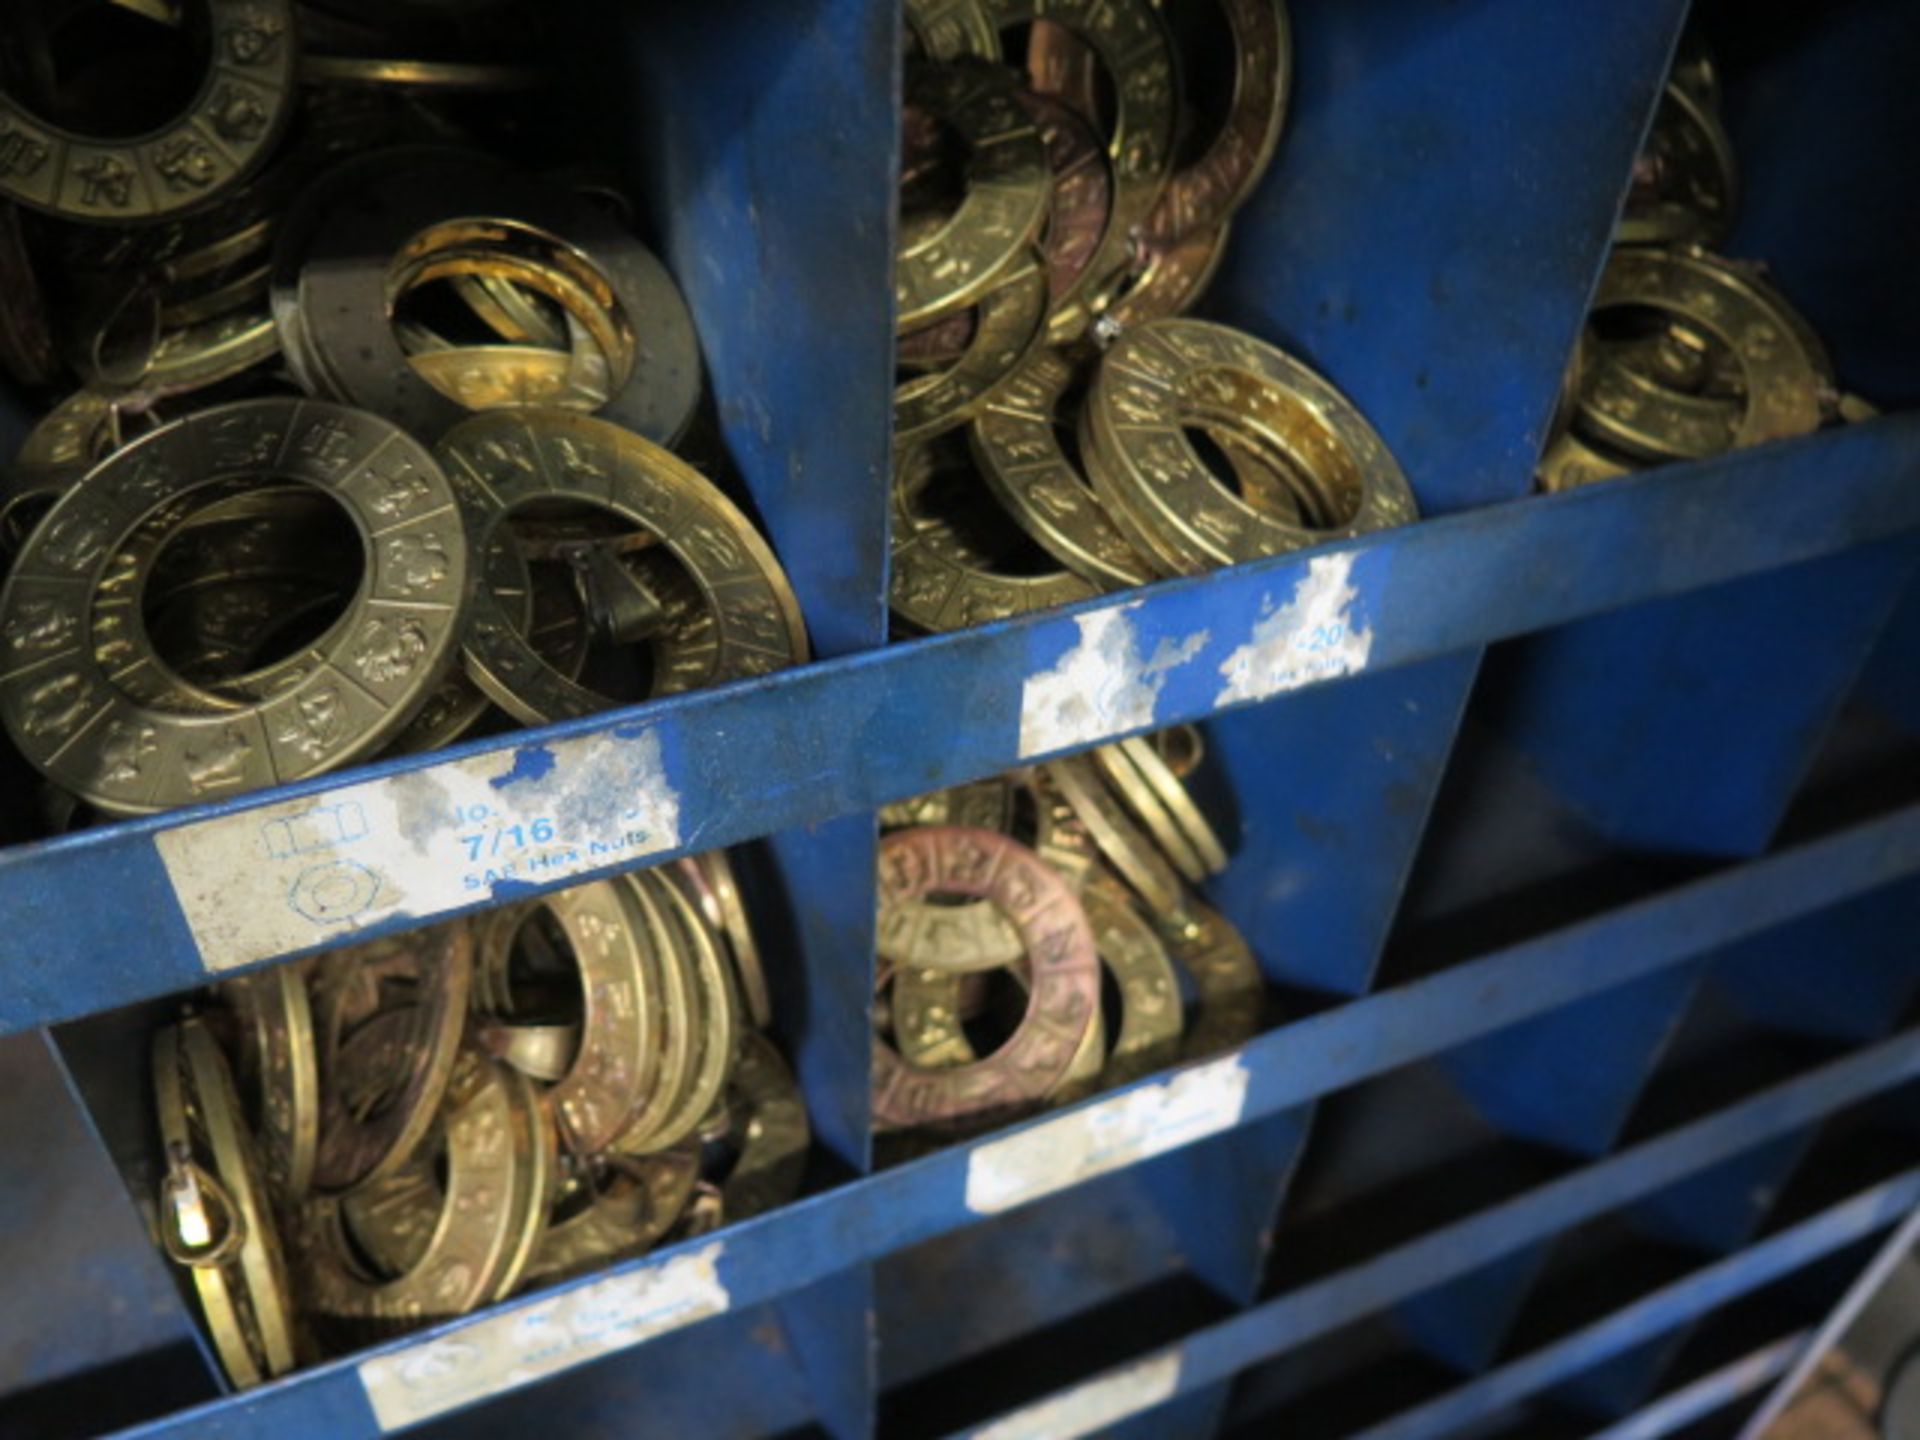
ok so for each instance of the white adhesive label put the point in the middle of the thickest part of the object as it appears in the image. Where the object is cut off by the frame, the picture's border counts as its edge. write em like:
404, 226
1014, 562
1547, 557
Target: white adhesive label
531, 1342
1312, 637
309, 872
1101, 687
1089, 1408
1107, 1136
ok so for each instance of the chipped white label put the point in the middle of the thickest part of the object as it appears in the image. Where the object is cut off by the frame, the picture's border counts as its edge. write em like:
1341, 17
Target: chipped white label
1107, 1136
1101, 687
1089, 1408
1312, 637
309, 872
532, 1341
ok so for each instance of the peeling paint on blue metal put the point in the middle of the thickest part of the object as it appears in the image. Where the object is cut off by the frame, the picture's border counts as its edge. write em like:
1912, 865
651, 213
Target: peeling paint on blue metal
530, 762
815, 1238
794, 748
819, 1236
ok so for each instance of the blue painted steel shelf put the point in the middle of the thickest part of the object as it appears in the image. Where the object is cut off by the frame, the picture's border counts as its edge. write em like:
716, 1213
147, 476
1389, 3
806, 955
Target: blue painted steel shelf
1587, 902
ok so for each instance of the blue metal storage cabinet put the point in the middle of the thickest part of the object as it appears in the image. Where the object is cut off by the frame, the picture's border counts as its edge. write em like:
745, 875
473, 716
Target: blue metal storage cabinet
1590, 901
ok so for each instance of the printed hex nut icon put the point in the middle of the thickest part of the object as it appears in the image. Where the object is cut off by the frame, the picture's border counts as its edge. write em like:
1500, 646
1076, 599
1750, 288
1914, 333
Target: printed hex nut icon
333, 893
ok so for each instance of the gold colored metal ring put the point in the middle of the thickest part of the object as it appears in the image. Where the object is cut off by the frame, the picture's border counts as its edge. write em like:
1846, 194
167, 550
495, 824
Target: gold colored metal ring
1232, 996
383, 1083
1012, 326
1686, 180
1186, 816
67, 713
1167, 278
215, 1216
1065, 972
229, 127
945, 577
928, 1032
710, 883
512, 375
1016, 445
499, 1178
279, 1063
1132, 855
1144, 803
948, 28
1136, 49
616, 1062
1785, 376
634, 1202
505, 460
1201, 195
438, 75
1160, 378
717, 1037
1008, 186
678, 1033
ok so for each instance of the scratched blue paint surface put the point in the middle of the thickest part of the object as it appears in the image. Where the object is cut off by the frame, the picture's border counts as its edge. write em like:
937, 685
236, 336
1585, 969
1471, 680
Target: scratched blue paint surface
1846, 972
531, 763
1428, 239
818, 1237
97, 925
1693, 720
1716, 1391
770, 171
1230, 1345
1454, 357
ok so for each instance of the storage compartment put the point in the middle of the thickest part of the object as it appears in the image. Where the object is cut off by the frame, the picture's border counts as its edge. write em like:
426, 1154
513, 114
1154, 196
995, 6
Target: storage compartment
1572, 838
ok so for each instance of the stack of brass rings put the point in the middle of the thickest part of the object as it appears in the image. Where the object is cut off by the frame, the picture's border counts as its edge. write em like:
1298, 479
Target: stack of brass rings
1040, 938
1040, 226
1186, 447
370, 449
1686, 353
398, 1132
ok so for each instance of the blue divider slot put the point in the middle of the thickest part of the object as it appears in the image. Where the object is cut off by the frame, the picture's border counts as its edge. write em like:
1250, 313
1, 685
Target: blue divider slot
1892, 680
1688, 723
1456, 360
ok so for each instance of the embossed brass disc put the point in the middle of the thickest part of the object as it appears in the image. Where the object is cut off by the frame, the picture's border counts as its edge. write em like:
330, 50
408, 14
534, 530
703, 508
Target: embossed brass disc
225, 131
279, 1063
67, 712
506, 460
949, 570
1018, 449
1065, 994
1724, 312
500, 1167
1005, 201
1162, 378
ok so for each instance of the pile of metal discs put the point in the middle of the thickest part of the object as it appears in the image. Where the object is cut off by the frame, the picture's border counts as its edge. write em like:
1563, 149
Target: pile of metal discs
1039, 939
1059, 429
404, 1130
1686, 353
372, 445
